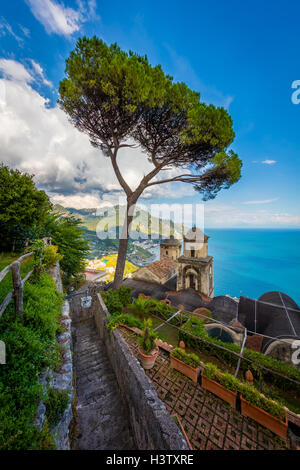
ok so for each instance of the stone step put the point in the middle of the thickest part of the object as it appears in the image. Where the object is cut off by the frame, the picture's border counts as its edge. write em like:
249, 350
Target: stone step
101, 419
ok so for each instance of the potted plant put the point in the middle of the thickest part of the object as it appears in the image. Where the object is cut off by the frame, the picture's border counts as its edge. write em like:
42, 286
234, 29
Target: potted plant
148, 349
140, 307
224, 386
267, 412
187, 364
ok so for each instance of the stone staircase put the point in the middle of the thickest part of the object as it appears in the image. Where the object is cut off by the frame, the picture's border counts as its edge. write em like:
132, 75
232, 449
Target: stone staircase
101, 421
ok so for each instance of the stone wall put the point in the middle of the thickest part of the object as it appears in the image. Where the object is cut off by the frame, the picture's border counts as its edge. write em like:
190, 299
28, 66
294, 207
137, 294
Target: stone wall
63, 378
153, 427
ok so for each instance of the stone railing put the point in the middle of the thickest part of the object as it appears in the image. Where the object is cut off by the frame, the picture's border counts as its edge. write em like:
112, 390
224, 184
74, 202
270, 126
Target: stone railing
152, 426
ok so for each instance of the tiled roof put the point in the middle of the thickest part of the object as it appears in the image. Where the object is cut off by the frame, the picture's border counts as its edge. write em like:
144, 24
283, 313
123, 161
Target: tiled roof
162, 267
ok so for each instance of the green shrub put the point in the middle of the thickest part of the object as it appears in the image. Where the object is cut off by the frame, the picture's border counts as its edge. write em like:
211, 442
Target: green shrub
126, 318
124, 295
113, 303
56, 403
189, 359
31, 346
162, 310
42, 307
115, 300
51, 256
66, 232
141, 306
210, 346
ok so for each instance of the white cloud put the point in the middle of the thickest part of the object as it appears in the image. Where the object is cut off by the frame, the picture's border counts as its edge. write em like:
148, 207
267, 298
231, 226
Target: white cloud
59, 19
220, 216
6, 28
79, 201
40, 73
269, 162
265, 201
25, 30
11, 69
41, 141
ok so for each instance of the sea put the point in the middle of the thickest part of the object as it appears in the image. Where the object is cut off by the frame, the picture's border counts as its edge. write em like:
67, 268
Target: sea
250, 262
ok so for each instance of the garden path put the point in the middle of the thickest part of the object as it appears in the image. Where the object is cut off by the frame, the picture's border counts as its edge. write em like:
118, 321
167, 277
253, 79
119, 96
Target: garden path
101, 422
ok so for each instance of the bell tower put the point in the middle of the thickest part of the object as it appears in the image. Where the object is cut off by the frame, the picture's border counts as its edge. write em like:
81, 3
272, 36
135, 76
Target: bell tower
170, 248
195, 267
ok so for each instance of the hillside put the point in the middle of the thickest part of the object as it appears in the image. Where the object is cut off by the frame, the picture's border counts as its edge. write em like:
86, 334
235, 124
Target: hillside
103, 227
109, 220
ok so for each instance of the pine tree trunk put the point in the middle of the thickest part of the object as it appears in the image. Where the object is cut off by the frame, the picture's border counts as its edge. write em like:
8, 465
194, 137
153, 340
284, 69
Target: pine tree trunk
123, 244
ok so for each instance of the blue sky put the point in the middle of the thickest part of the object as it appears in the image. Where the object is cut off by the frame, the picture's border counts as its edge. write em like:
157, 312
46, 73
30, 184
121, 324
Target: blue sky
240, 55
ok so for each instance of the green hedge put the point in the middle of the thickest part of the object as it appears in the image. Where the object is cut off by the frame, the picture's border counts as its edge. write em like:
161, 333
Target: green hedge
31, 346
265, 361
189, 359
250, 393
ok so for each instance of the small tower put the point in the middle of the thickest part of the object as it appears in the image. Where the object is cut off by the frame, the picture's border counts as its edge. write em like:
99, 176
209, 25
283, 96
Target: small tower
195, 267
170, 248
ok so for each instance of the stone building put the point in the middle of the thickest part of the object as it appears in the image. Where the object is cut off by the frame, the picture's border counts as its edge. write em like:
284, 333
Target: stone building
195, 267
160, 271
171, 248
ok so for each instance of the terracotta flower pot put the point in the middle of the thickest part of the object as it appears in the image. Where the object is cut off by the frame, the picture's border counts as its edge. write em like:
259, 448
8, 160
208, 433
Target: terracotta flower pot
185, 369
175, 416
219, 390
265, 419
148, 360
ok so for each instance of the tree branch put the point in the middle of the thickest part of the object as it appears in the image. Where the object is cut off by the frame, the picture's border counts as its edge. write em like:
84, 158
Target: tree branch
125, 186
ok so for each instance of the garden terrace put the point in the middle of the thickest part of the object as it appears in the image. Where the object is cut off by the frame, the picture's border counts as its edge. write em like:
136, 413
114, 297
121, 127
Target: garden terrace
276, 379
209, 422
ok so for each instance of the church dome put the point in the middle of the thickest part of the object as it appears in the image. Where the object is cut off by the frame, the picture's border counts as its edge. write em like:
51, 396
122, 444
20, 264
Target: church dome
195, 235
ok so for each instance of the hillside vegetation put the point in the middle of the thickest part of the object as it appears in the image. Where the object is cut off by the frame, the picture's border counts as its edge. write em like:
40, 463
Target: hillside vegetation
109, 221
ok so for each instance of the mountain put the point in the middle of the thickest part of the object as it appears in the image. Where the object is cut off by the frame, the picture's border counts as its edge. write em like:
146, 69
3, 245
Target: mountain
109, 221
103, 227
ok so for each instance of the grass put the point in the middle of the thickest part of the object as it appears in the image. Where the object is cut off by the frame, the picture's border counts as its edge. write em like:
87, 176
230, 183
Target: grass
6, 285
31, 346
56, 403
6, 259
